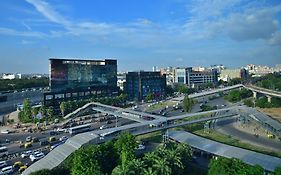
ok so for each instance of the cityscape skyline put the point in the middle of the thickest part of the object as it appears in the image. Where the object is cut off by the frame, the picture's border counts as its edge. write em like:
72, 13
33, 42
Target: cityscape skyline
162, 33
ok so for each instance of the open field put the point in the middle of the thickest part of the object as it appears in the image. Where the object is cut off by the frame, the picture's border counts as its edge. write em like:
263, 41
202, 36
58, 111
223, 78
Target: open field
273, 112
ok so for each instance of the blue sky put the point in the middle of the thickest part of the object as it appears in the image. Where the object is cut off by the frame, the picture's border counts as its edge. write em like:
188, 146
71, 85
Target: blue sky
139, 33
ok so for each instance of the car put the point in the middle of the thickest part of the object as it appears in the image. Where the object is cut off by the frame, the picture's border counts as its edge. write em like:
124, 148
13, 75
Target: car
6, 131
51, 139
26, 154
35, 139
28, 145
22, 168
7, 170
63, 138
28, 139
36, 157
34, 153
3, 164
17, 164
141, 147
102, 127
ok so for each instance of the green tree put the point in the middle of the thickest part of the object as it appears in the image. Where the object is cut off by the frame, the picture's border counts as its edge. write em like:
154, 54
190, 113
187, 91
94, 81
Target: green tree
232, 166
125, 145
161, 166
42, 172
277, 171
136, 167
63, 108
34, 111
149, 97
50, 112
149, 171
26, 110
187, 104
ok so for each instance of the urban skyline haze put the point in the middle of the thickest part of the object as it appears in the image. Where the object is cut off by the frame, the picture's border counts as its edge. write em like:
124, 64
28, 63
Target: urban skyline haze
139, 34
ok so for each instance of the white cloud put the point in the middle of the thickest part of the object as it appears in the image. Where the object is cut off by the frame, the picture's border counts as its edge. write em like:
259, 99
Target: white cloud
7, 31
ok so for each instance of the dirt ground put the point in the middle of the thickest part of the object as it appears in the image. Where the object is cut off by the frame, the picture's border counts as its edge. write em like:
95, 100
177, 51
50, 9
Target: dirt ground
273, 112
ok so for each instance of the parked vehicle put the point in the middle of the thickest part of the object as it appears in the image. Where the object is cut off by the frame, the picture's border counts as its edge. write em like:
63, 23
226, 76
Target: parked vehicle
7, 170
28, 139
3, 164
26, 154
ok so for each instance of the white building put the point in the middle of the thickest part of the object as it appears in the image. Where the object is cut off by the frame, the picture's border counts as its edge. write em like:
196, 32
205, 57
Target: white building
11, 76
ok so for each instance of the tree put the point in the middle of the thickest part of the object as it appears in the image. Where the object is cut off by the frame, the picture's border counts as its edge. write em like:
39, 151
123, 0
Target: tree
125, 145
149, 97
277, 171
50, 112
187, 104
135, 167
162, 167
149, 171
63, 108
26, 110
181, 88
174, 160
34, 111
232, 166
43, 110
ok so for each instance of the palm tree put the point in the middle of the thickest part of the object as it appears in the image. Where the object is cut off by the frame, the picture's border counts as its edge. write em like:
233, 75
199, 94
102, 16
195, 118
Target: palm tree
162, 167
120, 170
149, 171
150, 158
174, 160
135, 167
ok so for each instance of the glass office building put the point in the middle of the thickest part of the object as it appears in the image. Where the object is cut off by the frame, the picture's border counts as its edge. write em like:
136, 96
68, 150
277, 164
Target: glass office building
72, 79
140, 84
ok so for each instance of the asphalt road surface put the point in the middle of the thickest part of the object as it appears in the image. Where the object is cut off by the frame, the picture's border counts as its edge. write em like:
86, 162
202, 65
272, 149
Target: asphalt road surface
225, 126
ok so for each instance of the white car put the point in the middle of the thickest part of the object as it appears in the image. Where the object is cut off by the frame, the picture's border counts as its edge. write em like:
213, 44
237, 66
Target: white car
102, 127
6, 131
35, 153
3, 164
7, 170
141, 147
26, 154
37, 157
63, 138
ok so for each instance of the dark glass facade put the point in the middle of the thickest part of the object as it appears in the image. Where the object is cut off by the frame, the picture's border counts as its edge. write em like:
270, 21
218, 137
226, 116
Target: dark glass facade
139, 84
78, 79
68, 74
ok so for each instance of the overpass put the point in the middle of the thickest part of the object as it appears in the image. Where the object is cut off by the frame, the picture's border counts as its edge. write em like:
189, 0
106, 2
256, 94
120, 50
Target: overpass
267, 92
59, 154
210, 92
269, 163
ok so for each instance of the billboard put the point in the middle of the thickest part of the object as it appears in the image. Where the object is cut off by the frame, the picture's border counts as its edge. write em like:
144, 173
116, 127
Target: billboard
69, 74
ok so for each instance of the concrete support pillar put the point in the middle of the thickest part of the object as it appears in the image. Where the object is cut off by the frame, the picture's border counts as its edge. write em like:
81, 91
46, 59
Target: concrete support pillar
268, 98
255, 94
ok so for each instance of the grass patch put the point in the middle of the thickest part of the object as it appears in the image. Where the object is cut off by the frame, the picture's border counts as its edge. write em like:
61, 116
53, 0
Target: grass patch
155, 137
160, 105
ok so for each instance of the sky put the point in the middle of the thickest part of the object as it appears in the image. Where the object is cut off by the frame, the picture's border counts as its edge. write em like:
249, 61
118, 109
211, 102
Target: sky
139, 33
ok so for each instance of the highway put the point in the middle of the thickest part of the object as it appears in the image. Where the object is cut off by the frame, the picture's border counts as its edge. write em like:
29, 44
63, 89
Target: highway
136, 128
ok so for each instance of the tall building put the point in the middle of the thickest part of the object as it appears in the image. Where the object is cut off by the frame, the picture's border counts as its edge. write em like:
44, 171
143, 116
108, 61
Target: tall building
140, 84
195, 78
76, 79
258, 70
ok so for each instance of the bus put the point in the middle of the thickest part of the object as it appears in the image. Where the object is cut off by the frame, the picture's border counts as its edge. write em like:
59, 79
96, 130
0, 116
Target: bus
3, 151
79, 129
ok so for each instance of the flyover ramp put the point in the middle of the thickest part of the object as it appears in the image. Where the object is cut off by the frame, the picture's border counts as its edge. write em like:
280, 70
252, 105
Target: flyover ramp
269, 163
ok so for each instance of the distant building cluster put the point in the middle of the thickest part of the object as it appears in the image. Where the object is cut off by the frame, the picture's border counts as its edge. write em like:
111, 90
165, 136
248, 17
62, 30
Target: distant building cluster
72, 79
11, 76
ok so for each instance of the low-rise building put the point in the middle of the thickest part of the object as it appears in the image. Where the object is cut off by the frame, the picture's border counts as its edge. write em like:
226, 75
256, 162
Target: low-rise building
195, 78
228, 74
140, 84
